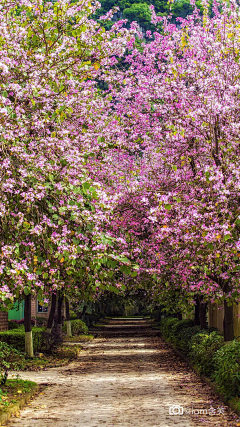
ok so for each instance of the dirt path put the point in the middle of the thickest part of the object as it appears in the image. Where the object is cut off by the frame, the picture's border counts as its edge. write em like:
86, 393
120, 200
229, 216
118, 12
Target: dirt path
126, 377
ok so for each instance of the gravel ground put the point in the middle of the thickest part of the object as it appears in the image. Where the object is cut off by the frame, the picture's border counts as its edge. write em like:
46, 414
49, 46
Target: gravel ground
126, 377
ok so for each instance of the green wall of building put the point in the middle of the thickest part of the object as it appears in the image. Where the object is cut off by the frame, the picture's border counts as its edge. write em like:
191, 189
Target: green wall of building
17, 312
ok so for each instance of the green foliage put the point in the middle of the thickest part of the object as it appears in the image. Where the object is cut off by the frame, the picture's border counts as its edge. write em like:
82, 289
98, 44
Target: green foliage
203, 347
51, 340
78, 327
139, 12
135, 10
16, 338
180, 325
167, 324
73, 315
227, 369
183, 338
12, 325
10, 358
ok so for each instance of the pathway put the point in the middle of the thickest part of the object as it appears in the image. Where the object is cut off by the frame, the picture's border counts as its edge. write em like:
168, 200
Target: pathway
126, 377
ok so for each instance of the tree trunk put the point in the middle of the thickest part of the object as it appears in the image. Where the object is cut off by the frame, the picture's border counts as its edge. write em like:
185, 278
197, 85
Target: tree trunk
28, 326
197, 312
59, 312
228, 322
52, 313
179, 315
68, 322
203, 315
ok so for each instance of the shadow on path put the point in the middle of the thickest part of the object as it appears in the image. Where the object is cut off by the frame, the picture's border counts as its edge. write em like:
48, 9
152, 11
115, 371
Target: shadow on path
126, 377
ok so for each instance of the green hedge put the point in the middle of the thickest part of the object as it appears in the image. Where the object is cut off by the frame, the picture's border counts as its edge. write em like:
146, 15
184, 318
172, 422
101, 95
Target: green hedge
167, 324
203, 347
183, 339
16, 338
227, 369
12, 324
207, 351
78, 327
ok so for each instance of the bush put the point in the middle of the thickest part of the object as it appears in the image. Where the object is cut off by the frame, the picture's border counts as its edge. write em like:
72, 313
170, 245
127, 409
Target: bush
203, 347
21, 322
73, 315
180, 325
16, 338
51, 340
227, 369
183, 338
41, 322
78, 327
12, 324
167, 324
10, 358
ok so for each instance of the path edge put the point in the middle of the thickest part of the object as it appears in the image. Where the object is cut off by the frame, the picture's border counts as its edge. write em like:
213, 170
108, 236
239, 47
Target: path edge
18, 406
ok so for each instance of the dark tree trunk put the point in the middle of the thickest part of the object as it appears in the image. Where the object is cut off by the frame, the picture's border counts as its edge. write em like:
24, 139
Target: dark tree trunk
68, 322
28, 326
228, 322
197, 312
27, 313
59, 311
52, 312
203, 315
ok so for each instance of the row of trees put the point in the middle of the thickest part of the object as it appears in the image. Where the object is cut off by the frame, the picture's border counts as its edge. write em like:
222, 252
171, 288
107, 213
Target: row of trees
179, 107
53, 118
119, 164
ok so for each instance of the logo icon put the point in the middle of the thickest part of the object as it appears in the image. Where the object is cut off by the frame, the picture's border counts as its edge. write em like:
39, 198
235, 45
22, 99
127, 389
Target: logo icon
175, 410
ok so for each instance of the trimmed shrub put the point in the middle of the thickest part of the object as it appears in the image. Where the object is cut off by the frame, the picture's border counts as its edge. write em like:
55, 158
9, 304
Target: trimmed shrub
227, 369
16, 338
203, 347
78, 327
51, 340
10, 358
181, 324
167, 324
183, 337
12, 324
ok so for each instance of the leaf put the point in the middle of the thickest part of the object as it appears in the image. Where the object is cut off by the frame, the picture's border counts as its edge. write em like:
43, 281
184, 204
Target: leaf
96, 65
26, 224
168, 207
134, 273
62, 259
38, 272
227, 237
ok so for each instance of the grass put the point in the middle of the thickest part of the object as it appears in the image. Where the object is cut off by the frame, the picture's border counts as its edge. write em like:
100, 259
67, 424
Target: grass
61, 357
79, 338
12, 392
